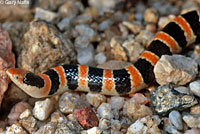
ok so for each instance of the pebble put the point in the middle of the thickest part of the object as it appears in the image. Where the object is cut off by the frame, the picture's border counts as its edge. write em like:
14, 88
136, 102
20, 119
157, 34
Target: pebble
103, 3
104, 110
48, 128
46, 15
195, 87
16, 110
86, 56
86, 117
195, 110
81, 42
176, 119
151, 15
193, 121
163, 21
25, 114
144, 37
165, 99
182, 89
176, 69
58, 117
67, 101
105, 24
46, 47
144, 125
94, 130
95, 99
29, 123
100, 58
115, 125
134, 27
43, 109
117, 102
64, 24
104, 124
193, 131
172, 130
16, 129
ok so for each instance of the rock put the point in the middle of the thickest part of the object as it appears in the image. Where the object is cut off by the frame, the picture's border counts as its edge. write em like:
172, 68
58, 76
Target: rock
64, 24
134, 27
105, 24
103, 4
165, 99
16, 111
48, 128
115, 125
135, 107
86, 117
182, 89
25, 114
7, 60
68, 127
144, 125
193, 131
14, 13
67, 101
104, 110
49, 4
100, 58
104, 124
94, 130
144, 37
46, 15
151, 27
151, 15
114, 64
95, 99
176, 69
16, 129
43, 109
195, 110
176, 119
133, 49
163, 21
116, 102
46, 47
58, 117
195, 87
172, 130
81, 42
86, 56
193, 121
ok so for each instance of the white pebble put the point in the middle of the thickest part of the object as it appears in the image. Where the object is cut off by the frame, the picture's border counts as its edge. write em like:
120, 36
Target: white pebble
104, 110
115, 124
86, 56
95, 99
94, 130
176, 119
45, 14
64, 24
25, 114
104, 123
100, 58
195, 87
193, 121
85, 30
182, 89
81, 42
117, 102
42, 109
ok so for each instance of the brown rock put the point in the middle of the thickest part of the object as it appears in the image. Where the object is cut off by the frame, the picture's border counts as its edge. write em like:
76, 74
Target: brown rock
86, 117
46, 47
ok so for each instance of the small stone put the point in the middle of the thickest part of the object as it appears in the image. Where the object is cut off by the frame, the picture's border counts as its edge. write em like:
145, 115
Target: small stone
57, 117
46, 15
135, 27
104, 110
68, 127
64, 24
151, 27
165, 99
105, 24
48, 128
43, 109
86, 56
176, 69
195, 87
115, 125
163, 21
182, 89
144, 37
151, 15
116, 102
100, 58
16, 111
114, 64
94, 130
27, 113
103, 3
193, 131
144, 125
67, 101
195, 110
172, 130
29, 123
95, 99
104, 124
176, 119
16, 129
86, 117
81, 42
193, 121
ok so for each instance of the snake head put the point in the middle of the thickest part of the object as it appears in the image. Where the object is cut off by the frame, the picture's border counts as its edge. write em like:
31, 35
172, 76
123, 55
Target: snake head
16, 75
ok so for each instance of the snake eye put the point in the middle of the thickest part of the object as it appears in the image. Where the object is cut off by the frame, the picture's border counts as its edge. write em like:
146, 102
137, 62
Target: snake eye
16, 77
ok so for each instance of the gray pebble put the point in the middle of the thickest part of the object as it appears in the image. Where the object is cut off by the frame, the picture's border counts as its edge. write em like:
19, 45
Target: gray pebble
195, 87
176, 119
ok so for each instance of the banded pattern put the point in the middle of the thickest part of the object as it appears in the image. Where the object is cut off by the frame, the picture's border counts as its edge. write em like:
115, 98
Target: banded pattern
175, 36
